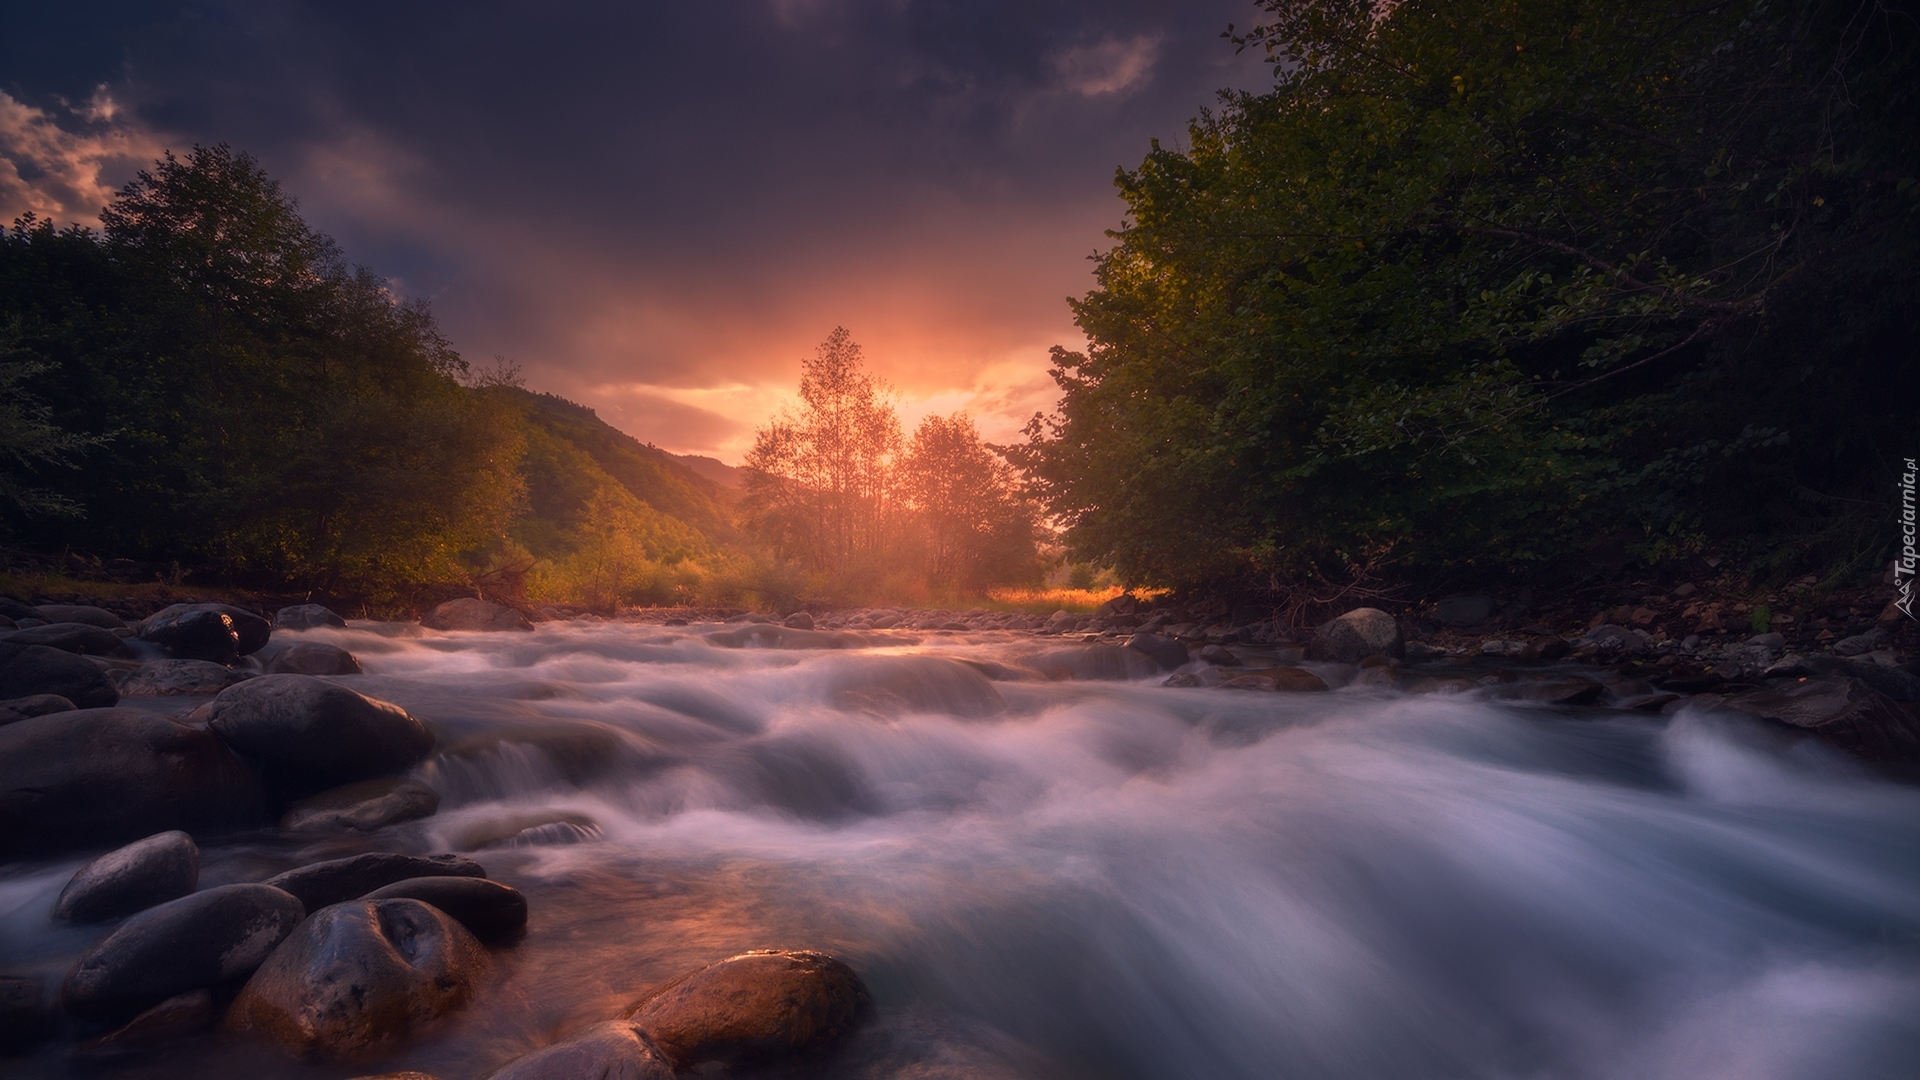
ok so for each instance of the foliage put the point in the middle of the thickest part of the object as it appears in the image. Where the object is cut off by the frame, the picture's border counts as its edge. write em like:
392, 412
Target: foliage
1480, 283
973, 528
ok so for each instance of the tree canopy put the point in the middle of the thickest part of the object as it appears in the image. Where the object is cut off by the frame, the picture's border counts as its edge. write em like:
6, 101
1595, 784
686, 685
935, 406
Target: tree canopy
1490, 284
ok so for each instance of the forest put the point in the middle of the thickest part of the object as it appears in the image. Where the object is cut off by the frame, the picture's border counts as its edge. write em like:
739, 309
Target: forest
1478, 293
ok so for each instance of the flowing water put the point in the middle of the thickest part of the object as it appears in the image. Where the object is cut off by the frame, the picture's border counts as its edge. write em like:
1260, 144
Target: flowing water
1114, 879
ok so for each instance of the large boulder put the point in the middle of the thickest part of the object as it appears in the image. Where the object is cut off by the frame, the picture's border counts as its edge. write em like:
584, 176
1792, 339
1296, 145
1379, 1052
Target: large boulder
1358, 634
80, 613
1840, 710
1093, 662
164, 866
170, 1021
305, 617
107, 776
1287, 679
489, 910
336, 880
26, 708
1164, 651
159, 678
251, 631
362, 807
77, 638
758, 1006
194, 635
27, 670
360, 975
610, 1051
313, 658
468, 613
202, 940
311, 734
890, 685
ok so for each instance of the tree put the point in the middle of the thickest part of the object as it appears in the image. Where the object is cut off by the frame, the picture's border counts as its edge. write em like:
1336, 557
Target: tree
1477, 282
973, 525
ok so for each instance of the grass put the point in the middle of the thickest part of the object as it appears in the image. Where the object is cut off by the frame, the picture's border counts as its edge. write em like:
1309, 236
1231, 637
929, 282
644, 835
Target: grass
1048, 601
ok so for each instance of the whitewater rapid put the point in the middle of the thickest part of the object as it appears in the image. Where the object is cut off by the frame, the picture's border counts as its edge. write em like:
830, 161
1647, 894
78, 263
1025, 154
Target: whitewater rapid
1116, 879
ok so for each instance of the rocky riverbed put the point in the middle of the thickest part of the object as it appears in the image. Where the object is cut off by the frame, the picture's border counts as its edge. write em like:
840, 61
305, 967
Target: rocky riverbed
888, 843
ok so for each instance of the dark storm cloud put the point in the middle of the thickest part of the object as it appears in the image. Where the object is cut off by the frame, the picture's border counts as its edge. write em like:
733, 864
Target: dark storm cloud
646, 199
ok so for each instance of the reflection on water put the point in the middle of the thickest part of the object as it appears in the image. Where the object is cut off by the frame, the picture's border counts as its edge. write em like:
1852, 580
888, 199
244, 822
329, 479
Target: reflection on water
1112, 879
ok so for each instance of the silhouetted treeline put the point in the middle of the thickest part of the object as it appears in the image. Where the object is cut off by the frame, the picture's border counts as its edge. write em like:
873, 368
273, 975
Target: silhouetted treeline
1484, 286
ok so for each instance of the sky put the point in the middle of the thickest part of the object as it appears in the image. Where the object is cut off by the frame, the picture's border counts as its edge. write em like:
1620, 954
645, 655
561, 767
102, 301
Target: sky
657, 209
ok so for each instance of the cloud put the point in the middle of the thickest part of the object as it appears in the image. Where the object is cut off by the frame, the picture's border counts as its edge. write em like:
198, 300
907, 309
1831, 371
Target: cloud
1107, 67
65, 165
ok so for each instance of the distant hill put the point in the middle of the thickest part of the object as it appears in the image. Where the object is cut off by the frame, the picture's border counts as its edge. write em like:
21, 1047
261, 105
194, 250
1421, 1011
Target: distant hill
731, 478
573, 455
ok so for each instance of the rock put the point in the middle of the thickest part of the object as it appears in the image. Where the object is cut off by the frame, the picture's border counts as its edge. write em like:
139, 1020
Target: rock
311, 734
182, 622
799, 620
1547, 648
1464, 610
1568, 691
27, 670
1897, 683
77, 638
758, 1006
489, 910
609, 1051
1609, 638
1840, 710
25, 708
197, 941
107, 776
534, 828
362, 807
1289, 679
171, 1020
23, 1013
749, 617
360, 975
305, 617
1124, 604
1219, 656
79, 613
1861, 644
1358, 634
195, 635
468, 613
167, 677
1503, 648
14, 609
313, 658
892, 685
1165, 651
164, 866
1771, 642
1093, 662
337, 880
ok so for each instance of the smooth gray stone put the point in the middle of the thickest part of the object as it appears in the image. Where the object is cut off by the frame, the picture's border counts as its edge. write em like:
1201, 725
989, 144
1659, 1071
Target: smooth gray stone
197, 941
165, 866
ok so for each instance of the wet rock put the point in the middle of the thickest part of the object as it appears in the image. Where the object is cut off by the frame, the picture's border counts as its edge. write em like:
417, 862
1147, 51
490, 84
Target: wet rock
25, 708
12, 608
337, 880
1358, 634
1464, 610
1289, 679
1842, 711
251, 631
1547, 648
362, 807
1771, 642
165, 677
168, 1022
202, 940
195, 635
305, 617
468, 613
24, 1020
1897, 683
489, 910
1609, 638
360, 975
77, 638
311, 734
107, 776
799, 620
1164, 651
759, 1006
79, 613
164, 866
765, 636
1124, 604
893, 685
1503, 648
1861, 644
313, 658
1219, 656
609, 1051
1093, 663
29, 670
531, 828
1432, 685
1568, 691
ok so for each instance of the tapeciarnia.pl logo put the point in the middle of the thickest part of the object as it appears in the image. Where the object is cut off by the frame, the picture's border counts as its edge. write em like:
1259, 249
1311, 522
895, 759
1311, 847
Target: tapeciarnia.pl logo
1903, 567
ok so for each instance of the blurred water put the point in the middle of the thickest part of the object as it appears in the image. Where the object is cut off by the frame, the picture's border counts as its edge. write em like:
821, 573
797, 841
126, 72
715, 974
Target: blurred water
1112, 879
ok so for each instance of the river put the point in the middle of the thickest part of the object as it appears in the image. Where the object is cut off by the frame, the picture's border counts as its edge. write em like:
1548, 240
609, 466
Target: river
1121, 880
